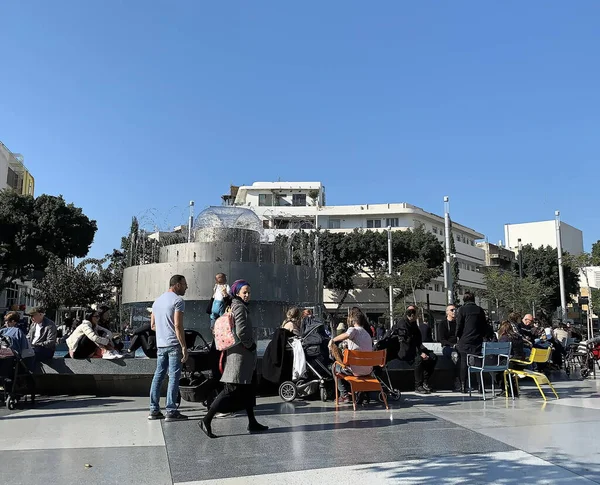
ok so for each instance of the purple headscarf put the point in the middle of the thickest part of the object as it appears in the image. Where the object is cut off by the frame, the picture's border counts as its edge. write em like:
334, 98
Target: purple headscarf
237, 286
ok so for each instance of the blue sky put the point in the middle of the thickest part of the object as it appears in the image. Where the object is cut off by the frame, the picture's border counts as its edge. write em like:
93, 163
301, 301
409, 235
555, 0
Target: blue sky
136, 107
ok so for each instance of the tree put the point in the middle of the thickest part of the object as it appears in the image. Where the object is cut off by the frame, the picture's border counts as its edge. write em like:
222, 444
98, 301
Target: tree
542, 265
33, 231
595, 255
81, 285
408, 278
454, 268
508, 292
346, 256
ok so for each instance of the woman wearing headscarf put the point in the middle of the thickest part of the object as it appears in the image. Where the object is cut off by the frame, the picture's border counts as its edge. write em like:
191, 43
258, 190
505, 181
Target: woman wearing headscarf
238, 393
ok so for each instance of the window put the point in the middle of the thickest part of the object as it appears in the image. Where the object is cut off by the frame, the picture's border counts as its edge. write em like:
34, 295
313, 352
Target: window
392, 222
371, 223
334, 224
435, 230
438, 287
266, 224
265, 199
299, 200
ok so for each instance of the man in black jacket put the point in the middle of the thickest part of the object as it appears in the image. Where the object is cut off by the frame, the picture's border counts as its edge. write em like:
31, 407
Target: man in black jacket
446, 333
413, 350
471, 329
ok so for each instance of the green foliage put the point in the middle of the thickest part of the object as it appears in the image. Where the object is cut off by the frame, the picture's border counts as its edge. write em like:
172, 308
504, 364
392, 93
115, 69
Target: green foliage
542, 266
345, 256
33, 231
512, 293
408, 278
595, 255
454, 268
82, 285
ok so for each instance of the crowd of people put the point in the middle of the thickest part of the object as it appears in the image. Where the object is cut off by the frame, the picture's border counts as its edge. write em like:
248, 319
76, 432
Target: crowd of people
462, 332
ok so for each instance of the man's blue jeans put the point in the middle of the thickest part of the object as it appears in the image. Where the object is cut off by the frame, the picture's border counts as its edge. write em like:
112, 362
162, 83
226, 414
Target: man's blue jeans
168, 360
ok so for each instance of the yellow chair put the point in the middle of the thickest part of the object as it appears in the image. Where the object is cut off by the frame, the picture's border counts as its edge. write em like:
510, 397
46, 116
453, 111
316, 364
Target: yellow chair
539, 356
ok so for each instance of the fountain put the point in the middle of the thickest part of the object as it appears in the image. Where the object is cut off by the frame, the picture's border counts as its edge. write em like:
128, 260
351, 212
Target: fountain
225, 240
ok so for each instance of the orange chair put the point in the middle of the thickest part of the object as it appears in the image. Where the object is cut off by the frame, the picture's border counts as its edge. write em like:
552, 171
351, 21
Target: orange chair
361, 383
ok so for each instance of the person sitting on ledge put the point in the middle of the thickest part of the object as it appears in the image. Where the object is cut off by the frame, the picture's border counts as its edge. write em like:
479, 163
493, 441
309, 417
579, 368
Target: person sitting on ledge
143, 337
90, 340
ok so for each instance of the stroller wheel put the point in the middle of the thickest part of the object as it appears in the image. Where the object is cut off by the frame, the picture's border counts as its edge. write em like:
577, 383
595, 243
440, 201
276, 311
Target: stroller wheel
324, 394
11, 403
395, 395
288, 391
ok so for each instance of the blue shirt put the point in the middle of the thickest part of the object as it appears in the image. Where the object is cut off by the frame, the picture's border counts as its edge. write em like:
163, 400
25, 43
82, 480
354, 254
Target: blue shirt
164, 309
18, 340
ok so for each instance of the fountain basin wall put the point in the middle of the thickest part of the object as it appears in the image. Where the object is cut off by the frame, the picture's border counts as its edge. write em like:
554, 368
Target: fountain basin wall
274, 288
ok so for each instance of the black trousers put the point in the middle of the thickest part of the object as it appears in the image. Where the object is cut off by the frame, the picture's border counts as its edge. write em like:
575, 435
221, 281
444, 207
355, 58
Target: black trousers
234, 397
464, 365
141, 340
85, 348
424, 368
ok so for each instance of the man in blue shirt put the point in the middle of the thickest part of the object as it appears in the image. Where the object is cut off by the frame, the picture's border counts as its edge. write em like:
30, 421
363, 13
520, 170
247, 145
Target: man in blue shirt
167, 321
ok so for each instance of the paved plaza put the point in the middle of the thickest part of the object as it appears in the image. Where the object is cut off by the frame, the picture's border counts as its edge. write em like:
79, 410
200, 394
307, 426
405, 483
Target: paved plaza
445, 438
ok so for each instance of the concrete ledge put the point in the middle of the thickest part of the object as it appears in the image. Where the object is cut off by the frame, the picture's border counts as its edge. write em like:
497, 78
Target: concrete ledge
132, 377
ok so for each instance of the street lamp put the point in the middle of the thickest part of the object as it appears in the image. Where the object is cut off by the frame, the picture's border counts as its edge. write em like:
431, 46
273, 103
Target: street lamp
391, 288
520, 259
447, 264
561, 275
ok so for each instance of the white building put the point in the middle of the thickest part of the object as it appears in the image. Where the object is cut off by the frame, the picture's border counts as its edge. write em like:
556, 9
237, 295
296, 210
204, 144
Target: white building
591, 276
543, 233
286, 207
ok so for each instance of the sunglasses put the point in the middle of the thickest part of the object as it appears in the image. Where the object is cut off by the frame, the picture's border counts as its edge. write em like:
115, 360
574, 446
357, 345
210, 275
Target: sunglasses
452, 310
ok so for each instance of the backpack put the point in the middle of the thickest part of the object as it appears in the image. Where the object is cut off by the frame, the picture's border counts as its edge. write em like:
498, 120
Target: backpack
225, 335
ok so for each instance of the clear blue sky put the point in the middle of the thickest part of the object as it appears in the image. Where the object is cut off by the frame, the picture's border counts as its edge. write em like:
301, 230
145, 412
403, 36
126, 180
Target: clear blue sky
135, 107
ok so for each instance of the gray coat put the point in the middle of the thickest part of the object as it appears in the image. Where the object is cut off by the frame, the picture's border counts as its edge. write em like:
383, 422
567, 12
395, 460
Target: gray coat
241, 361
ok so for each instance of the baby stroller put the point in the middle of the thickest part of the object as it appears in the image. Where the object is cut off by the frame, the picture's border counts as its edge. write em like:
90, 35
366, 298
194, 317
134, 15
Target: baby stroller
583, 356
16, 380
317, 377
199, 380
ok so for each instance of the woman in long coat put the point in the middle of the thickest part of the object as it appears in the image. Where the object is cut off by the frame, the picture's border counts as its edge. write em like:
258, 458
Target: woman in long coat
239, 390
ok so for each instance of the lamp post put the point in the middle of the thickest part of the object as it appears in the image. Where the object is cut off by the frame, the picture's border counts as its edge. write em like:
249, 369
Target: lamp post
390, 270
561, 275
447, 264
191, 221
520, 259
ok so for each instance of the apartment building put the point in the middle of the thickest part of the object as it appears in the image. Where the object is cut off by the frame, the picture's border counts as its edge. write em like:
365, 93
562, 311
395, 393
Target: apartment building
13, 173
543, 233
285, 207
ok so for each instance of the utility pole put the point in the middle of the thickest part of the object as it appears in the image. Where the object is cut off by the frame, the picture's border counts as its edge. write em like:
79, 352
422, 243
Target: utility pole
390, 270
447, 264
561, 274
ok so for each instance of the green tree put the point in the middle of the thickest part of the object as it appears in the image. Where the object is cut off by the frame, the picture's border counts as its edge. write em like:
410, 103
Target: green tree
454, 268
507, 291
407, 279
542, 266
595, 255
33, 231
90, 282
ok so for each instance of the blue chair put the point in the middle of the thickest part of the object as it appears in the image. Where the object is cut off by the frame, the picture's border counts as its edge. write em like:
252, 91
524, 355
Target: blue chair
494, 358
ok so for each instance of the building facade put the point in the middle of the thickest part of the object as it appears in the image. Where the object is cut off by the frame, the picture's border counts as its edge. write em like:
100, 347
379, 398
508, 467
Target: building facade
543, 233
13, 173
497, 256
286, 207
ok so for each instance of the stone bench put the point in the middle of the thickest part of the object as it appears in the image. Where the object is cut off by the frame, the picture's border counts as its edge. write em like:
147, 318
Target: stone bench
132, 377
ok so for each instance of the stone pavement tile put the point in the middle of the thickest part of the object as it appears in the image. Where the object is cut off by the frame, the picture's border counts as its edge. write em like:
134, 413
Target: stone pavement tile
146, 465
502, 412
81, 423
507, 468
307, 441
574, 446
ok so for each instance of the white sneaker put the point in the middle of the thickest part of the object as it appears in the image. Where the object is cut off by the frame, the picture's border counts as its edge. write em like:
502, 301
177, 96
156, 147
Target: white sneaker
111, 355
223, 415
